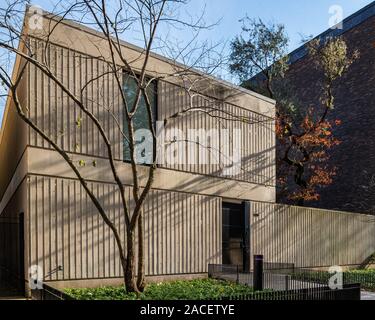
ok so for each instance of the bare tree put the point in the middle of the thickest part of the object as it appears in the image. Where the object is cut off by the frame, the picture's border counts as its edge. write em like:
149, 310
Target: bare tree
134, 83
114, 21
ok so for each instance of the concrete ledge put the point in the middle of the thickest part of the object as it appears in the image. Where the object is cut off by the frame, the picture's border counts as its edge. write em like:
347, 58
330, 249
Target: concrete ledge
93, 283
49, 162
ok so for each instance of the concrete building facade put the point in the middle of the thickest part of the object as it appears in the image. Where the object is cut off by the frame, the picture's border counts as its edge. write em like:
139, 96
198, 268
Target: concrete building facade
194, 215
59, 229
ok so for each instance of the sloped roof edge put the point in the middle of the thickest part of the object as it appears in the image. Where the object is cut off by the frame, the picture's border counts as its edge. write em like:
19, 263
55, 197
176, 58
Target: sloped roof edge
348, 23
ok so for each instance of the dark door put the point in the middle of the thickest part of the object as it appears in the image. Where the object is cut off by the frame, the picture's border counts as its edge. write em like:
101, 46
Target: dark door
12, 278
21, 254
233, 234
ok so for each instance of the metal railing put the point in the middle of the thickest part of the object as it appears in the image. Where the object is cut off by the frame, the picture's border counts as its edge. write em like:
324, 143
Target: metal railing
287, 282
49, 293
275, 276
367, 280
348, 292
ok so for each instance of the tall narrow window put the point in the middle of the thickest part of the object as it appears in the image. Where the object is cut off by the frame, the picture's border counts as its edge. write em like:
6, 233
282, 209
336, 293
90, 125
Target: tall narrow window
141, 117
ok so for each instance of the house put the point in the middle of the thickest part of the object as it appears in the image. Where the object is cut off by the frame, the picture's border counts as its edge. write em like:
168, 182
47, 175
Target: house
194, 214
197, 213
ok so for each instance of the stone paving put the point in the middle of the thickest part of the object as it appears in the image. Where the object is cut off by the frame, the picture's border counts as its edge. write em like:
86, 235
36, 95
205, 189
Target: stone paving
365, 295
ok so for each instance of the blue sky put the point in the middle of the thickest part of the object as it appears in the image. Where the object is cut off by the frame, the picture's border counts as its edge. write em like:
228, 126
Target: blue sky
300, 17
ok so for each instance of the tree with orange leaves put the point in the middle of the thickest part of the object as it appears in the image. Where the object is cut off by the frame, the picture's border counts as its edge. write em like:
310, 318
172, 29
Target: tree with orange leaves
305, 135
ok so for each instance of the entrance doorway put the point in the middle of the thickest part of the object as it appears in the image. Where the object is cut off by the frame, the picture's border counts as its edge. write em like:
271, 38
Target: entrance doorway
12, 278
234, 239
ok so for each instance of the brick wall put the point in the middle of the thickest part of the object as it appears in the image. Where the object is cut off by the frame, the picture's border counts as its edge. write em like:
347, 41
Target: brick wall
355, 106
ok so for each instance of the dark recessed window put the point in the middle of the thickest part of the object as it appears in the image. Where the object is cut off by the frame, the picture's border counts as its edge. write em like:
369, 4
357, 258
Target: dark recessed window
141, 117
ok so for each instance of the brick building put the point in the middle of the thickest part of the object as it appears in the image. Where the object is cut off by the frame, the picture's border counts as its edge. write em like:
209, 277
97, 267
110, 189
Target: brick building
354, 186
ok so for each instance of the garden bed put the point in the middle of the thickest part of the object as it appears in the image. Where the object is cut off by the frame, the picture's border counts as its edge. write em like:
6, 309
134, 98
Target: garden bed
203, 289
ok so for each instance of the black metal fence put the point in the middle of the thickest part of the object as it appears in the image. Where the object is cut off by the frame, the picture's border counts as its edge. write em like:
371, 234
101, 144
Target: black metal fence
275, 277
225, 272
348, 292
284, 281
49, 293
278, 266
366, 279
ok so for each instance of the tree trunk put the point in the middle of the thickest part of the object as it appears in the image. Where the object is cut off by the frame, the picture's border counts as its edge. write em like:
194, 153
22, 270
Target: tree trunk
123, 266
301, 202
130, 265
141, 265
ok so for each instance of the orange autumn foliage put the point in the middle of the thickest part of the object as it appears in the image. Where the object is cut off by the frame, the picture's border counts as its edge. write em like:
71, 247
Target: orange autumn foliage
311, 145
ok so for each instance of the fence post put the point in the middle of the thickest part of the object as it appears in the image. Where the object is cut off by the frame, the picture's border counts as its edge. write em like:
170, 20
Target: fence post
286, 282
258, 273
238, 275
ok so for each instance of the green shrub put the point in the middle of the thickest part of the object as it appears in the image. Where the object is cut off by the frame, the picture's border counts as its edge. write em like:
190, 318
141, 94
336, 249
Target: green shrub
365, 277
203, 289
